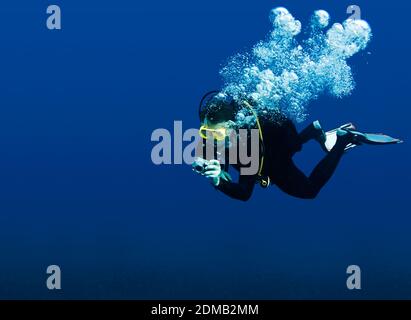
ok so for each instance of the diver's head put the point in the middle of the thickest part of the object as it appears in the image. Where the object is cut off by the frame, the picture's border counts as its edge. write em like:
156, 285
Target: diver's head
218, 117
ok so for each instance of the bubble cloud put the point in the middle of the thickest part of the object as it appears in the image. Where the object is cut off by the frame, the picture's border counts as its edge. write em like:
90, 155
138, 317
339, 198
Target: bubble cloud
283, 74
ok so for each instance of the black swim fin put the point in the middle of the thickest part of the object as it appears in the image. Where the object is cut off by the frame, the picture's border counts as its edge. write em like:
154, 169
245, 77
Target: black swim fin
373, 138
359, 138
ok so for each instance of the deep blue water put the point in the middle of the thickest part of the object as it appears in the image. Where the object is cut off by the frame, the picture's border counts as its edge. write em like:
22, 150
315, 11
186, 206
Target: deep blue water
78, 188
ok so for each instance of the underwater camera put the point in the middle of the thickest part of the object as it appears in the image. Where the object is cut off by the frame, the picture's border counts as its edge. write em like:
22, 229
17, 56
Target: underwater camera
199, 165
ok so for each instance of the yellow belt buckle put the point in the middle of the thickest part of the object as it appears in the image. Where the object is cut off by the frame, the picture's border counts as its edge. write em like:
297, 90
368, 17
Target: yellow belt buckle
265, 182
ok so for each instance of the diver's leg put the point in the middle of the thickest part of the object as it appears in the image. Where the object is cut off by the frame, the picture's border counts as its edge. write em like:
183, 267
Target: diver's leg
296, 183
312, 131
326, 167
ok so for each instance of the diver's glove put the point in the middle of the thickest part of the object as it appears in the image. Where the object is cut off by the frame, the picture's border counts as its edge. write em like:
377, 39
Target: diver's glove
211, 170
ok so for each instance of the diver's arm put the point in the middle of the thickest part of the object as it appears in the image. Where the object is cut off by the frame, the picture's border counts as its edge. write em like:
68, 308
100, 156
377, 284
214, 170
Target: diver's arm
242, 190
221, 179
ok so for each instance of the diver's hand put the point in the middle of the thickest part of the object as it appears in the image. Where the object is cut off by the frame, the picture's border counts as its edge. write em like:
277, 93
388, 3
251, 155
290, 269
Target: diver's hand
212, 172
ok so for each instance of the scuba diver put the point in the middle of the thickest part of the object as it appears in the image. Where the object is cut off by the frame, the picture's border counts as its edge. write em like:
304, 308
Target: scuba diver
279, 141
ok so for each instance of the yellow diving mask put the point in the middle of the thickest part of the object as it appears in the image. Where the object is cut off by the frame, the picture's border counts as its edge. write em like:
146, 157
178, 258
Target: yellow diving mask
218, 134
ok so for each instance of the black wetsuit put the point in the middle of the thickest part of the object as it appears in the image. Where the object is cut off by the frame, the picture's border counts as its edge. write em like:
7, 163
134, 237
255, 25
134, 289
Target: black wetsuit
281, 142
